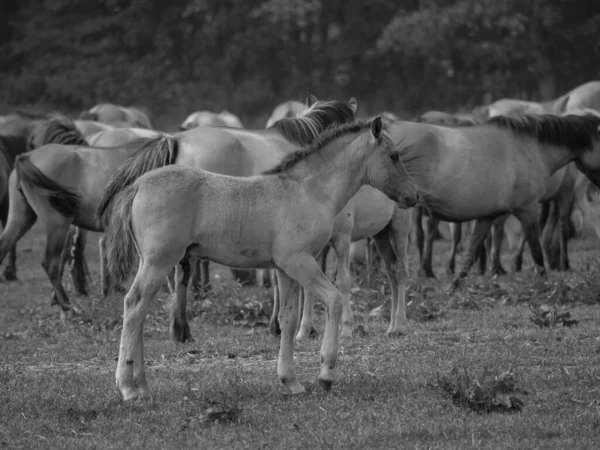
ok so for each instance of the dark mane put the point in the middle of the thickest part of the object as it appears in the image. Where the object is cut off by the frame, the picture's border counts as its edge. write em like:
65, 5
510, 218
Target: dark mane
573, 131
57, 129
11, 147
305, 129
331, 134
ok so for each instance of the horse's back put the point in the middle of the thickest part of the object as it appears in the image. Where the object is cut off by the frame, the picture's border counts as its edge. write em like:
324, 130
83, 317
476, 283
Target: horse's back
585, 96
371, 210
229, 151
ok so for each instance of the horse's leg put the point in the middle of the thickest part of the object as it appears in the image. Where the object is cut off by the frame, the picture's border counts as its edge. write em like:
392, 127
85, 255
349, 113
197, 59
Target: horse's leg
56, 233
206, 284
180, 330
306, 271
417, 223
529, 220
10, 271
341, 243
518, 258
130, 374
551, 228
274, 327
368, 263
392, 245
565, 208
427, 265
456, 233
288, 295
480, 231
305, 326
496, 247
78, 262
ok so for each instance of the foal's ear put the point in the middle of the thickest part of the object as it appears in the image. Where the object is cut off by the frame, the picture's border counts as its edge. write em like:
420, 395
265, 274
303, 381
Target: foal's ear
376, 127
353, 104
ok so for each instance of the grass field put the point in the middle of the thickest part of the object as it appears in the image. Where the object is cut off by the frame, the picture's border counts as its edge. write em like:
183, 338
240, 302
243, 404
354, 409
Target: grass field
57, 379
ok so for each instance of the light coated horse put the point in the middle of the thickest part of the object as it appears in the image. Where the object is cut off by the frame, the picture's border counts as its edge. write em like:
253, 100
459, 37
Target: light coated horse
280, 220
10, 148
291, 108
586, 96
114, 114
211, 119
236, 151
485, 171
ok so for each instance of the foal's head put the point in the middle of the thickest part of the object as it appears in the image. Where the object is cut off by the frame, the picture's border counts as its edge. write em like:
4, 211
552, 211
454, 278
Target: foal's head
384, 170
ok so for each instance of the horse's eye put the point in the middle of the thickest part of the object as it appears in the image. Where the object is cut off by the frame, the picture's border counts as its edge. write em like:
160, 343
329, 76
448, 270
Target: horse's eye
395, 157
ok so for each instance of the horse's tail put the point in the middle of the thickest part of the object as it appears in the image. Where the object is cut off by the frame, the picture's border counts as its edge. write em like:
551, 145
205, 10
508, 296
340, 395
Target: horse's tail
63, 200
120, 241
151, 154
58, 129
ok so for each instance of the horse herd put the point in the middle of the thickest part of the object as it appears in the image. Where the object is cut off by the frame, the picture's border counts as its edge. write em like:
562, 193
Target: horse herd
276, 199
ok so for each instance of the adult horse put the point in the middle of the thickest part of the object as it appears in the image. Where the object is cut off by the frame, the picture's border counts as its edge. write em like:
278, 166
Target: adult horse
291, 108
63, 185
514, 107
485, 171
113, 114
585, 96
278, 220
211, 119
10, 148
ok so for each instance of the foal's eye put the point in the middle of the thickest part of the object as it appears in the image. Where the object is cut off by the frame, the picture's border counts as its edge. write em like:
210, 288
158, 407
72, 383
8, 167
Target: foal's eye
395, 157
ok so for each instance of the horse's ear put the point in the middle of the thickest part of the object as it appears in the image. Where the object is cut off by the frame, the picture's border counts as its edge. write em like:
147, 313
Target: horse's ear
353, 104
311, 100
376, 127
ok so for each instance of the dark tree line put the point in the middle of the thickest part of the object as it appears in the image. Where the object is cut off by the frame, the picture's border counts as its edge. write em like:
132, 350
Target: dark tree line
247, 55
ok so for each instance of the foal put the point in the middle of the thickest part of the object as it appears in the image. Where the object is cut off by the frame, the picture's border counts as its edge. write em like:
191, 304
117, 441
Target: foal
280, 219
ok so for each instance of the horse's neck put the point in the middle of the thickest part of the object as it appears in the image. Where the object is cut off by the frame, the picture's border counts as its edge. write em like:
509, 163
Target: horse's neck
557, 157
334, 176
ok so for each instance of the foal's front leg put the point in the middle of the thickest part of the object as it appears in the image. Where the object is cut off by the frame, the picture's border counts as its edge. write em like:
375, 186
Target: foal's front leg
341, 244
529, 221
306, 271
306, 328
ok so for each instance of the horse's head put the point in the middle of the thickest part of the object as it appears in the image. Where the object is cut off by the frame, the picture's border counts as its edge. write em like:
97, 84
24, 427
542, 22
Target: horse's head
385, 170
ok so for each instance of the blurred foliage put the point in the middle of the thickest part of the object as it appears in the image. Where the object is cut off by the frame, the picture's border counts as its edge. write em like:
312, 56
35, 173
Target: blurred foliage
247, 55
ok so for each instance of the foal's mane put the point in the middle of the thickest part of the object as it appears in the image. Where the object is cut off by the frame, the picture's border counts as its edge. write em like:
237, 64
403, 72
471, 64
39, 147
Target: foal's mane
576, 132
58, 129
329, 135
304, 130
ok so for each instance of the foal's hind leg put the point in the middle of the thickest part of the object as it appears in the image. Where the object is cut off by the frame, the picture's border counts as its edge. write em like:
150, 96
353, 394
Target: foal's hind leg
180, 330
482, 228
274, 328
130, 374
10, 271
288, 295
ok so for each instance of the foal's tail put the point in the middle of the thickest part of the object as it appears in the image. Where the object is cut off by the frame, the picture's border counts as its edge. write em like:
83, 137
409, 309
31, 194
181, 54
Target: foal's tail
151, 154
120, 240
63, 200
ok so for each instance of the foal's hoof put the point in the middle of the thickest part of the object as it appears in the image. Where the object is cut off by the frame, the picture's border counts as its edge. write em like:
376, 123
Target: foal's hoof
303, 334
396, 334
450, 271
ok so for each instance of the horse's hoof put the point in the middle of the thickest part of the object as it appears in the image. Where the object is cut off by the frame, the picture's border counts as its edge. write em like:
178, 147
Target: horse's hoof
359, 332
325, 384
129, 394
10, 275
425, 273
313, 334
294, 386
274, 329
455, 285
449, 271
181, 333
498, 271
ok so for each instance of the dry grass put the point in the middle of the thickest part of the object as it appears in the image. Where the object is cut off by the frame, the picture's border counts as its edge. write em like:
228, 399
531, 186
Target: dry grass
57, 379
